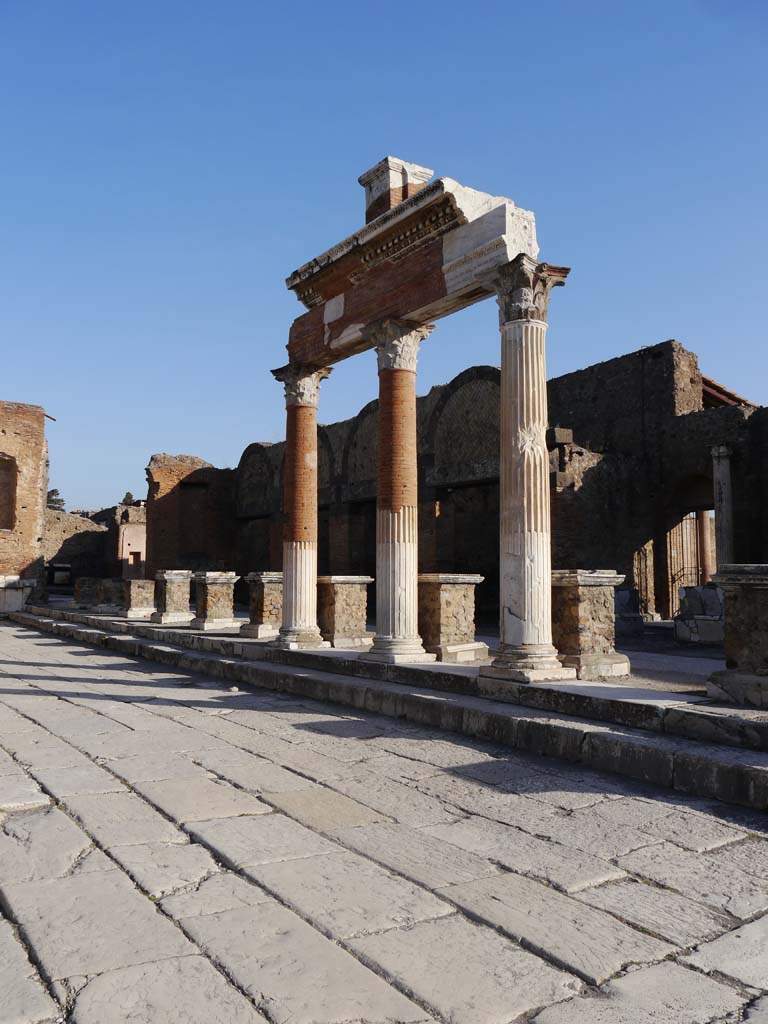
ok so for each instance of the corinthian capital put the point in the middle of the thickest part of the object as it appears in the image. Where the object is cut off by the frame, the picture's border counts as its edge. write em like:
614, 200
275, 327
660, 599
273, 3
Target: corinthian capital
397, 342
302, 385
522, 288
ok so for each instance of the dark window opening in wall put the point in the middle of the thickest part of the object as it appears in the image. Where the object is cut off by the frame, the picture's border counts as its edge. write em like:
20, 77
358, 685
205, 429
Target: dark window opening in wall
136, 558
193, 517
8, 475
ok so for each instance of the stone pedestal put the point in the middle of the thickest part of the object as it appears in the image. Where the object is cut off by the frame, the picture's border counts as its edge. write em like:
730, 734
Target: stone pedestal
111, 599
86, 591
583, 622
214, 601
745, 680
447, 616
172, 597
526, 653
14, 593
342, 605
265, 605
138, 599
397, 639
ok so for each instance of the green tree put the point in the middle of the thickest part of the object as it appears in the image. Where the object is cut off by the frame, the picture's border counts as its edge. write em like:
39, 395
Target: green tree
128, 499
55, 500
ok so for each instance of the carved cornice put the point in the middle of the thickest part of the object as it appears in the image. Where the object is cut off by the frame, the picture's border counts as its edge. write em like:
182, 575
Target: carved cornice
302, 385
523, 287
397, 342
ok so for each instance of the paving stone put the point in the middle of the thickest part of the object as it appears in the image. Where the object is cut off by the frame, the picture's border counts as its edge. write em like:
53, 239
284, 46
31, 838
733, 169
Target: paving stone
521, 811
8, 766
750, 857
91, 923
758, 1012
700, 877
662, 994
631, 812
151, 767
393, 799
658, 911
23, 998
344, 895
220, 892
13, 723
693, 831
122, 819
466, 973
41, 750
186, 990
566, 869
586, 941
85, 778
293, 973
199, 800
324, 810
163, 868
260, 840
741, 954
45, 844
392, 766
20, 793
415, 854
260, 776
432, 748
586, 831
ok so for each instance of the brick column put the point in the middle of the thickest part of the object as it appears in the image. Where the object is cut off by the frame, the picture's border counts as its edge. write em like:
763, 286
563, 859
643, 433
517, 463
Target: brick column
721, 480
526, 653
172, 597
299, 628
397, 635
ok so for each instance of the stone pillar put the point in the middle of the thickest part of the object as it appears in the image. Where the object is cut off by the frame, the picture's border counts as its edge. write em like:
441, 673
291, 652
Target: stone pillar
299, 626
138, 599
265, 605
584, 622
172, 597
447, 616
342, 606
397, 637
721, 480
745, 681
86, 591
526, 653
214, 601
14, 593
111, 599
706, 555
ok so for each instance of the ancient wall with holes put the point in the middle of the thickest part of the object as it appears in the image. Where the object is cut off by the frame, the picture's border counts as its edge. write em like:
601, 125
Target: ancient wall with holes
23, 486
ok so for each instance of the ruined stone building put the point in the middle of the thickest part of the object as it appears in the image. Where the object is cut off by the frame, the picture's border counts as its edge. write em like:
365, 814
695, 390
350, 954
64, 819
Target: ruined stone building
631, 459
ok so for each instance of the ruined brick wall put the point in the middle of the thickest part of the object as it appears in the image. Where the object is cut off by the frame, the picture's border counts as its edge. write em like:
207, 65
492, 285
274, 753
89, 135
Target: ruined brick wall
23, 487
190, 515
78, 542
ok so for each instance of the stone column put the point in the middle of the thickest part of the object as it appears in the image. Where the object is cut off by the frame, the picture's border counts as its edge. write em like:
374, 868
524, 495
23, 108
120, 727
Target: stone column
706, 555
526, 653
342, 605
397, 637
584, 622
214, 601
299, 627
745, 680
138, 598
447, 616
111, 597
265, 605
172, 597
86, 591
721, 480
14, 593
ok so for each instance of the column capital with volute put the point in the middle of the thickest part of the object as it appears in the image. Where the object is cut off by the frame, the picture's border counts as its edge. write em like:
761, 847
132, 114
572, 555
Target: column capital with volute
523, 287
302, 383
397, 342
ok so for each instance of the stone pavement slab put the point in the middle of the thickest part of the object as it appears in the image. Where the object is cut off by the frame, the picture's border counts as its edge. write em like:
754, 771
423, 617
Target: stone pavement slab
152, 767
23, 998
693, 831
741, 954
750, 856
183, 990
206, 798
587, 942
86, 778
700, 877
20, 793
91, 923
343, 894
122, 819
758, 1012
164, 868
39, 749
658, 911
214, 895
663, 994
323, 809
262, 839
393, 799
8, 766
45, 844
475, 798
464, 972
258, 776
295, 974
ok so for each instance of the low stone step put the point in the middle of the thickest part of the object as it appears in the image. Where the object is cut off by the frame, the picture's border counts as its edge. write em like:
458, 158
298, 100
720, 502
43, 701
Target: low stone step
687, 765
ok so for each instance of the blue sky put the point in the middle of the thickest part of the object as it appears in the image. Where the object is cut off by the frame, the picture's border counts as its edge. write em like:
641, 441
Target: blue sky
164, 164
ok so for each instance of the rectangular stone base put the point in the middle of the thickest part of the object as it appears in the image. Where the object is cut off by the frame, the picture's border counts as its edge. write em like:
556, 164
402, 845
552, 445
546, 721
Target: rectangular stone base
177, 618
137, 613
393, 658
107, 609
460, 654
597, 666
742, 688
260, 631
363, 643
213, 625
491, 681
299, 645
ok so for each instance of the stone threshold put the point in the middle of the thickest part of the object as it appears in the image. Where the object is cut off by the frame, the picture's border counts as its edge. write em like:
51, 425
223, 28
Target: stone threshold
686, 765
651, 710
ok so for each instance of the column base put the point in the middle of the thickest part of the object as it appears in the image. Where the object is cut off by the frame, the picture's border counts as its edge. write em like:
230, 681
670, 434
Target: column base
260, 631
744, 688
137, 613
534, 663
460, 654
175, 618
398, 651
213, 625
363, 642
597, 666
298, 640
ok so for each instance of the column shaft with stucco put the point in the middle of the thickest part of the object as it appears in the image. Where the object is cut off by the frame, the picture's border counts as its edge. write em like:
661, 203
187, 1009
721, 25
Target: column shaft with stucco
706, 554
723, 492
526, 652
299, 626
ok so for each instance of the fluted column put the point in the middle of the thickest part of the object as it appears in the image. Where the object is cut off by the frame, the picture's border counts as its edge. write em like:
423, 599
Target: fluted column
526, 653
299, 626
721, 480
397, 549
